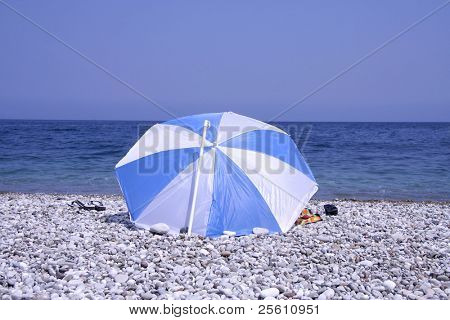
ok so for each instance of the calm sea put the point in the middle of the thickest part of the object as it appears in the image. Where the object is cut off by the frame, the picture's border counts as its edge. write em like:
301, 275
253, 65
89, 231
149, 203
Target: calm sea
349, 160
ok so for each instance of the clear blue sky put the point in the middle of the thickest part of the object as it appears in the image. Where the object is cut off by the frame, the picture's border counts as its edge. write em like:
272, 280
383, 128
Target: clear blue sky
250, 57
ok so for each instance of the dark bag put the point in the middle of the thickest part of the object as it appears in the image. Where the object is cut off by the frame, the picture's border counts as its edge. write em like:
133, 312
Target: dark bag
330, 210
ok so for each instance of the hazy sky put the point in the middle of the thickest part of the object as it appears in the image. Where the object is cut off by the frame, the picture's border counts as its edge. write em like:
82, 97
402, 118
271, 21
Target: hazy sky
251, 57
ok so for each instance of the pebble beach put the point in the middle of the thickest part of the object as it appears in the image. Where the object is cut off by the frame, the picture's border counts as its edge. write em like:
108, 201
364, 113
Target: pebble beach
370, 250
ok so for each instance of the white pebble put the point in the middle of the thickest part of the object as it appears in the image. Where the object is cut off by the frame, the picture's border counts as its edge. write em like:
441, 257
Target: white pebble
159, 228
389, 284
260, 231
271, 292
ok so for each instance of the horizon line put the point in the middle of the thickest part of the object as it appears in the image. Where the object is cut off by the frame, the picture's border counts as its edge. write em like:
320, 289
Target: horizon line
159, 120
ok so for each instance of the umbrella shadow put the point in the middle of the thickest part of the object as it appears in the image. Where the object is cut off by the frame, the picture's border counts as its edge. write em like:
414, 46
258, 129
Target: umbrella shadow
122, 218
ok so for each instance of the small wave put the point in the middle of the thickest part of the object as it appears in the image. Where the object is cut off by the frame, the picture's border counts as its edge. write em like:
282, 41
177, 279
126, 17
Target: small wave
64, 130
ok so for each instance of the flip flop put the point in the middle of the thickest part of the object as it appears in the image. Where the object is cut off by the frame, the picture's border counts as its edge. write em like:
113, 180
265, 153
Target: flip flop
82, 206
98, 205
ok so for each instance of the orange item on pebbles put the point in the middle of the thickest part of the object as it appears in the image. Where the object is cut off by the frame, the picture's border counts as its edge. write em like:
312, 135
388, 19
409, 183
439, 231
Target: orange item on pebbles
307, 216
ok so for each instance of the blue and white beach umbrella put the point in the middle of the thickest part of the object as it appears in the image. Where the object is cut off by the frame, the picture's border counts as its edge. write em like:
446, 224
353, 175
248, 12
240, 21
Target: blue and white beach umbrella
213, 173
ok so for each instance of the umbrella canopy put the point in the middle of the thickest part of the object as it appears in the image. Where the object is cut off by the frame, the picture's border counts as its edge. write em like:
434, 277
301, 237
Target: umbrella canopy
213, 173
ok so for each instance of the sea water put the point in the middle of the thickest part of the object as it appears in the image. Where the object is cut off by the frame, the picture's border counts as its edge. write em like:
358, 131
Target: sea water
349, 160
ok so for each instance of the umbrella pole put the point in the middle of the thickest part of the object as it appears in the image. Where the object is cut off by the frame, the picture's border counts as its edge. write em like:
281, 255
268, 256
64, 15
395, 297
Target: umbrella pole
206, 125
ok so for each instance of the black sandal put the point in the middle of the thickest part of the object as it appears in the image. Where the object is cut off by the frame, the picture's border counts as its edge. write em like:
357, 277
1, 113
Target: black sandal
82, 206
98, 205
